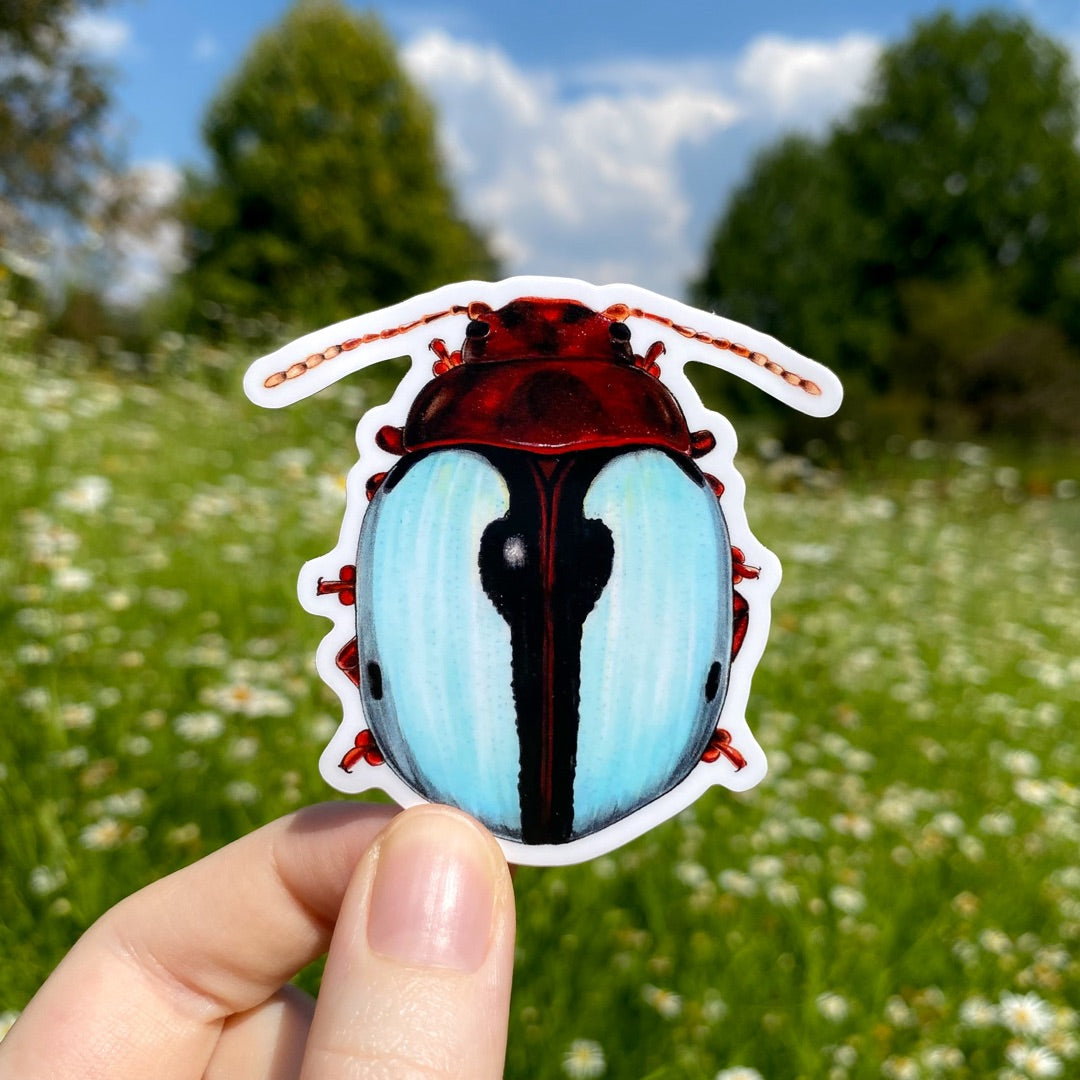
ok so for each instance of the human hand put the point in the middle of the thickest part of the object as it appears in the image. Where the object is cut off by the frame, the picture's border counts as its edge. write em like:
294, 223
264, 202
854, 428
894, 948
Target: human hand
187, 979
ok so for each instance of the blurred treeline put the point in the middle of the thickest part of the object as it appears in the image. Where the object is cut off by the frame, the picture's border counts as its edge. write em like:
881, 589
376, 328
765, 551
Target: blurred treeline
927, 248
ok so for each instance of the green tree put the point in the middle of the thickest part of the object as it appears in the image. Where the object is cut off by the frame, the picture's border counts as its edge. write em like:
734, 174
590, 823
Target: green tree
975, 364
327, 196
54, 146
954, 183
781, 258
966, 154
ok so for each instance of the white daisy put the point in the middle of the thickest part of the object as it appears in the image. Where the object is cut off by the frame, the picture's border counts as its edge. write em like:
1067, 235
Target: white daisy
666, 1002
1035, 1061
833, 1007
584, 1059
977, 1012
1026, 1014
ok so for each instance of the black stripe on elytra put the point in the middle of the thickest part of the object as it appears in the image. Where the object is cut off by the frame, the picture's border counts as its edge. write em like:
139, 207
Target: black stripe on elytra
544, 565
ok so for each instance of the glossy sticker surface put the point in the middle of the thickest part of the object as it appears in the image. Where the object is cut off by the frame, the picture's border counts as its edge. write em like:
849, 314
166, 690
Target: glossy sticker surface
547, 605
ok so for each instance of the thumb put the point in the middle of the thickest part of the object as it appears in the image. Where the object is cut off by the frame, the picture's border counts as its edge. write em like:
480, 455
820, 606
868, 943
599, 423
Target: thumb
417, 980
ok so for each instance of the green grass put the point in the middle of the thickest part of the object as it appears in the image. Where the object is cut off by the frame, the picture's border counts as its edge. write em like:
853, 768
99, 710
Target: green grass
911, 857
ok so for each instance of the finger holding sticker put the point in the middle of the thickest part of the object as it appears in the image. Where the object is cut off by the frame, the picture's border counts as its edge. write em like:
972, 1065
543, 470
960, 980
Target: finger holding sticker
547, 603
187, 979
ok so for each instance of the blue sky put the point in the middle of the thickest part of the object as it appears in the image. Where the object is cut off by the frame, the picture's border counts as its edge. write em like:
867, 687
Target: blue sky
597, 140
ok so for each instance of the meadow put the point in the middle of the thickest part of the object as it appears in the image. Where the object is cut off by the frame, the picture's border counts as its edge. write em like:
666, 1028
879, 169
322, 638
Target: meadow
900, 898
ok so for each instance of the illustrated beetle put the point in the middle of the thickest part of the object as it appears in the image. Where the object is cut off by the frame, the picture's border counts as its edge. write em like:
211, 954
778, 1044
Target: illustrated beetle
541, 624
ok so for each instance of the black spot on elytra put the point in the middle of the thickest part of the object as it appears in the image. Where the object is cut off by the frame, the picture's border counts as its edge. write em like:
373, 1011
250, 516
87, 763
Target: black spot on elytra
374, 676
712, 683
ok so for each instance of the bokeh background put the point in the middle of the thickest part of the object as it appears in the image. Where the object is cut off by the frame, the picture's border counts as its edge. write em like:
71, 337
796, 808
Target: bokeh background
893, 192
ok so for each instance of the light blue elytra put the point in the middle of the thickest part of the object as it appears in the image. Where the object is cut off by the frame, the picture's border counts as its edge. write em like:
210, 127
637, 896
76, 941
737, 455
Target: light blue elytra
446, 719
663, 619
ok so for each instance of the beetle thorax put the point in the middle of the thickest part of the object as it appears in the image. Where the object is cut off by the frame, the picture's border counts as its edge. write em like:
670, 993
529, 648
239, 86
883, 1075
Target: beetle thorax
547, 376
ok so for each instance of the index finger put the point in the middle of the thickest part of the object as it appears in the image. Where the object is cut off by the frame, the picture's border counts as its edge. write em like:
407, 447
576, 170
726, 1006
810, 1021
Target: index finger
146, 990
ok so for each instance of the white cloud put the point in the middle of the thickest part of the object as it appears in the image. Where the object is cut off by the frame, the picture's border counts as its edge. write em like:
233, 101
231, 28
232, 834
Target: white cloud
149, 243
102, 36
134, 257
806, 82
158, 182
586, 185
607, 172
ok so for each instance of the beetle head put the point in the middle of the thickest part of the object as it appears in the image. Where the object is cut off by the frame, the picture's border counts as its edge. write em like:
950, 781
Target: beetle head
533, 328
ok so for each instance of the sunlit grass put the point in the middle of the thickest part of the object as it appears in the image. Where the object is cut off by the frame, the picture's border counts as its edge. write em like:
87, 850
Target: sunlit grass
900, 898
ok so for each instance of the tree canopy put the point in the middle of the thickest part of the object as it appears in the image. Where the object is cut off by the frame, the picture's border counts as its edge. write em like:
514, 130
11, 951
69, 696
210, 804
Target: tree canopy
326, 195
54, 144
946, 200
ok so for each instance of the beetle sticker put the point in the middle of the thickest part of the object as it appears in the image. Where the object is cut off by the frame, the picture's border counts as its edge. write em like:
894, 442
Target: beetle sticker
547, 604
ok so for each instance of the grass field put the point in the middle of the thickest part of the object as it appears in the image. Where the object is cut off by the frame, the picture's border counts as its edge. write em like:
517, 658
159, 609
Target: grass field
900, 898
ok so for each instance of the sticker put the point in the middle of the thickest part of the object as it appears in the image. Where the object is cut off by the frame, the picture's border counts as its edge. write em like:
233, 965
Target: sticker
547, 605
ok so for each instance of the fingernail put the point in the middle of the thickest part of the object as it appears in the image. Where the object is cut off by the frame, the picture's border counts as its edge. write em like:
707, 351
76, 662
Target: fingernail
434, 892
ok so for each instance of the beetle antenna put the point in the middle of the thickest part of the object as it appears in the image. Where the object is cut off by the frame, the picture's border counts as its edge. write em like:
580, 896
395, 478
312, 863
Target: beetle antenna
315, 359
619, 312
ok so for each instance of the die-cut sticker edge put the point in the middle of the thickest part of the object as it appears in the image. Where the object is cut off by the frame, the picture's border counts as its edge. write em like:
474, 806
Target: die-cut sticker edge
314, 361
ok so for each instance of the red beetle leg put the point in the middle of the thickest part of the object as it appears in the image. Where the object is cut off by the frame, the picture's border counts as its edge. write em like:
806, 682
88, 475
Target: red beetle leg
715, 483
719, 744
701, 443
351, 759
363, 749
446, 359
648, 361
740, 622
373, 485
391, 439
345, 588
348, 661
739, 570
